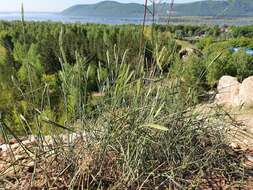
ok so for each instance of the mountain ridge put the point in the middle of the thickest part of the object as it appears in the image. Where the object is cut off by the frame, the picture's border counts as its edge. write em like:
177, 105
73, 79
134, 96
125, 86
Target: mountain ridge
229, 8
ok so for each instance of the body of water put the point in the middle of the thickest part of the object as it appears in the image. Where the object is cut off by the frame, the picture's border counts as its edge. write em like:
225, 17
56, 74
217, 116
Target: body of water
55, 17
68, 19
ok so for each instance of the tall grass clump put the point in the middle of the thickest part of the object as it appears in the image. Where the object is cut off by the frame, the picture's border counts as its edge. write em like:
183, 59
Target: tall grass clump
141, 134
145, 135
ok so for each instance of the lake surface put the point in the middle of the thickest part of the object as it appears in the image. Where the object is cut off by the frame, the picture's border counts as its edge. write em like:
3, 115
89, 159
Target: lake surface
55, 17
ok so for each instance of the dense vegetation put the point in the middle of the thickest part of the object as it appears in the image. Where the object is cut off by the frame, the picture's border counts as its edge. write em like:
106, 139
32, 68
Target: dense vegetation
228, 8
131, 94
39, 47
36, 52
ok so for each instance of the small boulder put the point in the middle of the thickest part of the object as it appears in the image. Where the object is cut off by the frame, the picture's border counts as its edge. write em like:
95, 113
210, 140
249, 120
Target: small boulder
246, 92
228, 91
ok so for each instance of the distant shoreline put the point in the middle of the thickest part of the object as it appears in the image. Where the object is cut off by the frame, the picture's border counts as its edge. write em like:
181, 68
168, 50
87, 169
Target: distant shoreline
184, 20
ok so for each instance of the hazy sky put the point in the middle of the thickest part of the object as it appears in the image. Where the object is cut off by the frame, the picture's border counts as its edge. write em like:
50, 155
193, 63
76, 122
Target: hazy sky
55, 5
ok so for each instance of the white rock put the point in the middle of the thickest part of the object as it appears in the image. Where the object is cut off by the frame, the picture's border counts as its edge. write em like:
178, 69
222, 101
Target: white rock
249, 158
235, 145
228, 91
246, 92
4, 147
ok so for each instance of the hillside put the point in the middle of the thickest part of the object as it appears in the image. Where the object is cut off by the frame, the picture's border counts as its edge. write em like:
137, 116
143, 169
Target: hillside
106, 8
229, 8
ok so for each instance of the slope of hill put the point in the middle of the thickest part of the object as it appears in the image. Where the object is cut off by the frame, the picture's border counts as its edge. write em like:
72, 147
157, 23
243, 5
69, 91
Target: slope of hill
230, 8
201, 8
106, 8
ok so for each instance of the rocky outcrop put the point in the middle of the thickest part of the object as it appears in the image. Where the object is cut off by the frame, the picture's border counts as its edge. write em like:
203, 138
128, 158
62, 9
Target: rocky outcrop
232, 93
246, 92
228, 91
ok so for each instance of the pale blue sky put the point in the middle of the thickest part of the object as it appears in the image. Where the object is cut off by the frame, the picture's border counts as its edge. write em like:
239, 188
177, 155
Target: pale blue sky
55, 5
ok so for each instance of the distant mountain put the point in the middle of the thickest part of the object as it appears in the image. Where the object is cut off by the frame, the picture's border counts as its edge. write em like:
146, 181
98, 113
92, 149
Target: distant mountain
105, 8
229, 8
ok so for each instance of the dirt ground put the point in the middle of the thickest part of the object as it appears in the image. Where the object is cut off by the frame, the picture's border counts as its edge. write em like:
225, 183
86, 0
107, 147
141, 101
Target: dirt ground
19, 177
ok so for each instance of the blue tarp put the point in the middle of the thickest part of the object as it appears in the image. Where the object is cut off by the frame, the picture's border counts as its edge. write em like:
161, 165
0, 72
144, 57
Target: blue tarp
248, 51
